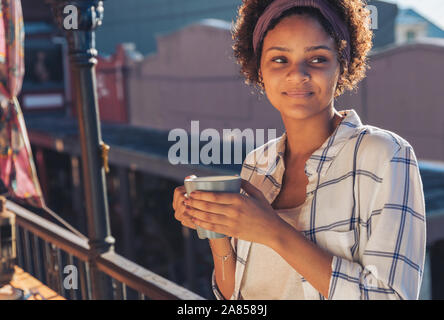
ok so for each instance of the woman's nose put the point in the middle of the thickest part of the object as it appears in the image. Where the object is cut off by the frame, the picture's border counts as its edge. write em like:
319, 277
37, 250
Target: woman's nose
298, 73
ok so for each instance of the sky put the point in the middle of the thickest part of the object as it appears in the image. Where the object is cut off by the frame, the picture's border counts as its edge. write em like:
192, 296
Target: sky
430, 9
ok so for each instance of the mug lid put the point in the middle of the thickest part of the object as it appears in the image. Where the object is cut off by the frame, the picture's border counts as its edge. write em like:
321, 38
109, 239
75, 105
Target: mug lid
213, 178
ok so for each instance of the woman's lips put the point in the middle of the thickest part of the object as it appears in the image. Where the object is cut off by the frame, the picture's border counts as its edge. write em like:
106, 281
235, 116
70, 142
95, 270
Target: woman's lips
299, 94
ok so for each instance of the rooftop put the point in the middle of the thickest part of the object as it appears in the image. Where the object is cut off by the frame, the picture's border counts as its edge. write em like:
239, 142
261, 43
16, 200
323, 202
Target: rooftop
410, 16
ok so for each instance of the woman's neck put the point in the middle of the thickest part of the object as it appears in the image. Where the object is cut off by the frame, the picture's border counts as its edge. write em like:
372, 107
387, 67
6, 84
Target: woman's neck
306, 136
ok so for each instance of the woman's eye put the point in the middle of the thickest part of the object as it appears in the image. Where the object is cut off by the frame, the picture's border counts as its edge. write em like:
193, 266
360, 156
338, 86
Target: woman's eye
277, 60
318, 60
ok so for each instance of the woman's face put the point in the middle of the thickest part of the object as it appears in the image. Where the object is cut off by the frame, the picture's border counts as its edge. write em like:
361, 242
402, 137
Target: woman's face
299, 67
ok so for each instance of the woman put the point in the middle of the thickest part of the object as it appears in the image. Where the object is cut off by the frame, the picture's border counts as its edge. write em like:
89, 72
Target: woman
339, 210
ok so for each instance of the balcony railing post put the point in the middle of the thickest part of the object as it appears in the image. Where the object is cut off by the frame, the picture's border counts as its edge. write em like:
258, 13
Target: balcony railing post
79, 18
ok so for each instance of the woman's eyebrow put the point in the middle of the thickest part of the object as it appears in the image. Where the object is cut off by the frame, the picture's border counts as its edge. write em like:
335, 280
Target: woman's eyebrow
307, 49
279, 48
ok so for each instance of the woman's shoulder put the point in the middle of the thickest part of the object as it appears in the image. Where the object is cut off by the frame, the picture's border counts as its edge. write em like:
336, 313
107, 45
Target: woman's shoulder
383, 143
266, 150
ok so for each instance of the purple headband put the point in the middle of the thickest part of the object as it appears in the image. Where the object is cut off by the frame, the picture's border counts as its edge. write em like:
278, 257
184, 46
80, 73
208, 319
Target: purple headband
277, 7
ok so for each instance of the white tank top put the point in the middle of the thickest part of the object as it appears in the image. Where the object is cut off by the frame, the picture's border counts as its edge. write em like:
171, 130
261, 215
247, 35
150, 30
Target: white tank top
267, 275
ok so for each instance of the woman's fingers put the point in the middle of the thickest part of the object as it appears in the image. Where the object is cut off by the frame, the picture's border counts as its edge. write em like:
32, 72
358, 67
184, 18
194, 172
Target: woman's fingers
212, 207
179, 208
184, 218
217, 197
179, 196
187, 222
212, 226
179, 193
207, 217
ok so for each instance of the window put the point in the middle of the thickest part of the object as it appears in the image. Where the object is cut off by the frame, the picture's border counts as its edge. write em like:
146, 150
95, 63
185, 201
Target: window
411, 35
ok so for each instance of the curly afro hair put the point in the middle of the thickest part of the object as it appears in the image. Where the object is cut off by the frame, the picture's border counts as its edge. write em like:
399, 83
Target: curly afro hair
353, 12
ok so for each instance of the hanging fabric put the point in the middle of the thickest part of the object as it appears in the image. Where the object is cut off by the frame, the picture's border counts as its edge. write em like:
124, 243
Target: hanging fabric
17, 170
18, 175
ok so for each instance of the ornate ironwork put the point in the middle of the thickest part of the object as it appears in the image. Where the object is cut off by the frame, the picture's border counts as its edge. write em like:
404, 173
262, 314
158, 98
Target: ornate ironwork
79, 19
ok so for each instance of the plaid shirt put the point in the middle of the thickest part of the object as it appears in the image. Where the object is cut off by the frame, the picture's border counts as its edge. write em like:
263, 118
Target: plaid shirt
364, 204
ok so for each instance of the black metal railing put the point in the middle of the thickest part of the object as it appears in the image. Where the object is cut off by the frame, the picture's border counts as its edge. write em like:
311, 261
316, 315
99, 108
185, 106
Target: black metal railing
63, 261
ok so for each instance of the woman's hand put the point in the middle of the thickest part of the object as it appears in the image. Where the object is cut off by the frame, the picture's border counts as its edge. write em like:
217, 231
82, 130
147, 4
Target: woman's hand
179, 207
248, 217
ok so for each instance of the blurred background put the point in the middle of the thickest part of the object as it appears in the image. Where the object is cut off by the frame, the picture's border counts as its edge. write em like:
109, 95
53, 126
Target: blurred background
151, 48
